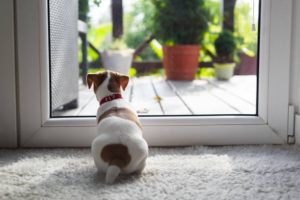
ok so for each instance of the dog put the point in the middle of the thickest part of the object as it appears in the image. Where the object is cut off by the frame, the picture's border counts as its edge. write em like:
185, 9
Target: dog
119, 147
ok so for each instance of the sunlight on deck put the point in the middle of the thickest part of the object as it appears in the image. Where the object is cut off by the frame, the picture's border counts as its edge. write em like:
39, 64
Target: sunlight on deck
151, 95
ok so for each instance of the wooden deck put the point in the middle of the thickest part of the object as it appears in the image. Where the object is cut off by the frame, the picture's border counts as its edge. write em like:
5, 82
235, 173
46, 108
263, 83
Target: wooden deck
157, 96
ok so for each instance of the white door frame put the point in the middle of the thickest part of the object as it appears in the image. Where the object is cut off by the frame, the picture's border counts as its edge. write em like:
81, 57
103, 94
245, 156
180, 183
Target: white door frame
8, 115
269, 127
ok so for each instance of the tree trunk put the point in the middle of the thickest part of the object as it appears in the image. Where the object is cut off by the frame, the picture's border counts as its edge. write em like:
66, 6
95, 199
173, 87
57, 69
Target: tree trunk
117, 18
228, 14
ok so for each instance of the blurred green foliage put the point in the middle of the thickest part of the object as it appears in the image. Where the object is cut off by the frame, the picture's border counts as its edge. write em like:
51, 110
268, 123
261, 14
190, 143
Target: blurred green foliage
96, 35
214, 27
246, 37
205, 72
179, 22
84, 7
118, 44
138, 23
141, 21
157, 48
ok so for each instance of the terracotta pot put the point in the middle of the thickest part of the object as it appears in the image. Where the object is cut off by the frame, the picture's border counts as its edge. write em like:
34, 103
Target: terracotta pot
248, 65
181, 61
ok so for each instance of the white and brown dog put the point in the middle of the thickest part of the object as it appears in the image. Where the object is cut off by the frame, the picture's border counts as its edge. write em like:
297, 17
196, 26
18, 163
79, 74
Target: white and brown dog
119, 146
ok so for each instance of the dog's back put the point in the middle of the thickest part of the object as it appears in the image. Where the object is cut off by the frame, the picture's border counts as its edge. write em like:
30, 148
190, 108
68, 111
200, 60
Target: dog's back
119, 146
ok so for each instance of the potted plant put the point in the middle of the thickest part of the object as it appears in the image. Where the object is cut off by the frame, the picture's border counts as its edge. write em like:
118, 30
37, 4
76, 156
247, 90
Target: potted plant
247, 51
180, 26
118, 57
224, 61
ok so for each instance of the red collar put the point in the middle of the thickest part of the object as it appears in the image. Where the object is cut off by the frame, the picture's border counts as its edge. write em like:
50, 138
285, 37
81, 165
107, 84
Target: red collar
110, 98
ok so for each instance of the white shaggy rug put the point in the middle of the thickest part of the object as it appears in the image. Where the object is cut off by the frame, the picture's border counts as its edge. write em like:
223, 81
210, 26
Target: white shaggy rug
239, 172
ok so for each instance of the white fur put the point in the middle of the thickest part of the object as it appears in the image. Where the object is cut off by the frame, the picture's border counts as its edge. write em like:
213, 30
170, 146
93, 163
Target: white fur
115, 130
102, 90
112, 173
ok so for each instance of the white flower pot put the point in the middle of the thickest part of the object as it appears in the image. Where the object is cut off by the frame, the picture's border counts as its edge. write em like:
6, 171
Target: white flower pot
224, 71
117, 60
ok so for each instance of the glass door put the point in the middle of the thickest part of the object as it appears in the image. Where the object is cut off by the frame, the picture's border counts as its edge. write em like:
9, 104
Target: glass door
175, 108
223, 82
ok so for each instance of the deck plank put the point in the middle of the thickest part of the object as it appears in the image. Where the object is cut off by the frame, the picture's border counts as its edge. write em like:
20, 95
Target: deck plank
84, 97
144, 97
244, 107
195, 94
90, 109
200, 97
243, 87
171, 103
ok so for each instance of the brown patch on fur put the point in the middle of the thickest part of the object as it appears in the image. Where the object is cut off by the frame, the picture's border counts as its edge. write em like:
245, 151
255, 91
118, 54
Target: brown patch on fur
116, 154
122, 113
96, 79
117, 81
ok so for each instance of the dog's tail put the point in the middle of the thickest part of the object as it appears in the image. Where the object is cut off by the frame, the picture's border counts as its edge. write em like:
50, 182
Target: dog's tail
112, 173
117, 157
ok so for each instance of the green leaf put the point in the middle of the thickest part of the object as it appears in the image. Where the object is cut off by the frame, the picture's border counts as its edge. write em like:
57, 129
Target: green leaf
97, 35
157, 48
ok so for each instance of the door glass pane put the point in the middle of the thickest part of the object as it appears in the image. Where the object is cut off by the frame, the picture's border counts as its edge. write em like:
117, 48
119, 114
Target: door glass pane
196, 57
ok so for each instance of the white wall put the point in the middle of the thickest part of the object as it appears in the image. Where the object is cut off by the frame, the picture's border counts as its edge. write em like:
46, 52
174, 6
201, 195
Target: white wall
8, 122
295, 62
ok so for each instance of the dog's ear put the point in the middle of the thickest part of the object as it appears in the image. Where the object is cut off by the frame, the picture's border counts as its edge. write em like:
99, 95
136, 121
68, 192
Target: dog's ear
90, 79
96, 79
124, 81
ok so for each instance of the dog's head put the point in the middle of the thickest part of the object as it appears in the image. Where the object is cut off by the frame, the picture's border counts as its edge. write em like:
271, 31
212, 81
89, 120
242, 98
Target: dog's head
106, 83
